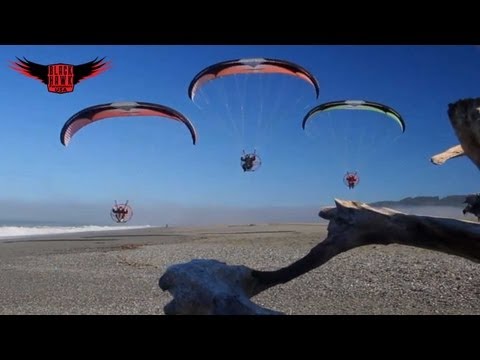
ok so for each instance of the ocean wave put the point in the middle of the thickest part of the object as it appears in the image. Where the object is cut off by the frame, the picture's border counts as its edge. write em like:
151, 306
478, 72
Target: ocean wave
24, 231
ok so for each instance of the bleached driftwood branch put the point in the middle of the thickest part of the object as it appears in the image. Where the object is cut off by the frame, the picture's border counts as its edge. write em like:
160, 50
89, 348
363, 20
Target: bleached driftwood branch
453, 152
464, 116
211, 287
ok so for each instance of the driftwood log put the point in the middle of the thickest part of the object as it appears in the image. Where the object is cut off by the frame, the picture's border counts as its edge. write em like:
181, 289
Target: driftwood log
212, 287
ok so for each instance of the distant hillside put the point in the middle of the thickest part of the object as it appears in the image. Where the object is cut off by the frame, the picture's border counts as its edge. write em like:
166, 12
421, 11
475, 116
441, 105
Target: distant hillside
452, 200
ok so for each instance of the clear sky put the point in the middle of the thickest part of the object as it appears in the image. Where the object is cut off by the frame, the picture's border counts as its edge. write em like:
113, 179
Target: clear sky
152, 162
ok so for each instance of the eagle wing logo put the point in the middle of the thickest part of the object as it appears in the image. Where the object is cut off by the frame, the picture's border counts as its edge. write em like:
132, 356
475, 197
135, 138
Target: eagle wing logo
31, 69
89, 69
60, 78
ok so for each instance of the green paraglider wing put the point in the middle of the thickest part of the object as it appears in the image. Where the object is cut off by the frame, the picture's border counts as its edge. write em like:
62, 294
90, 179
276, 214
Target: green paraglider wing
356, 105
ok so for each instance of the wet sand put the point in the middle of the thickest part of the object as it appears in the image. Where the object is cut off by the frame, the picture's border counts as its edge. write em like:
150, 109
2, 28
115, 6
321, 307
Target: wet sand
117, 272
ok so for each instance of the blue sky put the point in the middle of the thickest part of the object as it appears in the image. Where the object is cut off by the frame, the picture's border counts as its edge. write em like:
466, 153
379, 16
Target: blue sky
152, 160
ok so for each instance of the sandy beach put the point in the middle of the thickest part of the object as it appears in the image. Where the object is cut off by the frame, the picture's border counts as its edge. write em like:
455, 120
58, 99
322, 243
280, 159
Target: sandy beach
117, 272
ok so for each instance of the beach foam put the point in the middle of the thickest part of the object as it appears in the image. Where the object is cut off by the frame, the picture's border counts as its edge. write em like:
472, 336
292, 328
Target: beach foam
25, 231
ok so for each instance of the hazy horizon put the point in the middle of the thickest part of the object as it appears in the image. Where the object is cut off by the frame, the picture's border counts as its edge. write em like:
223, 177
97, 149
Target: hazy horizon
176, 214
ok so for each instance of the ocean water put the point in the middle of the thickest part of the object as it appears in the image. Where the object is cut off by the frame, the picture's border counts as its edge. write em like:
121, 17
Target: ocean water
15, 229
195, 217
